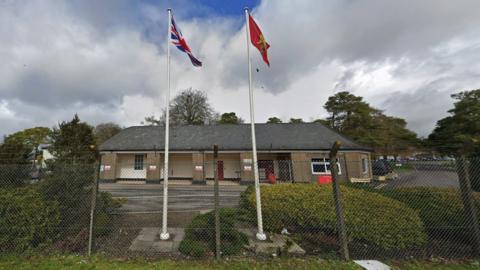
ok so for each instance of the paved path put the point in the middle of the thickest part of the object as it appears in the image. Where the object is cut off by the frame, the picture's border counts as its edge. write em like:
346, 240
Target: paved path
148, 198
424, 178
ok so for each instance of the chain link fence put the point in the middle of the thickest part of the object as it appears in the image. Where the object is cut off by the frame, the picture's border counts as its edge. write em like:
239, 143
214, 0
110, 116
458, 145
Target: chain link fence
392, 209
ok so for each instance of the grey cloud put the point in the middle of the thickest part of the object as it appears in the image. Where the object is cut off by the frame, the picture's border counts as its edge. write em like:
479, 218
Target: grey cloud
88, 56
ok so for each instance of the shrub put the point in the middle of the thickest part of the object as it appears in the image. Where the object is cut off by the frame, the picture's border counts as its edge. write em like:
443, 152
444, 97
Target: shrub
441, 209
71, 187
103, 218
26, 220
369, 217
14, 175
200, 234
193, 248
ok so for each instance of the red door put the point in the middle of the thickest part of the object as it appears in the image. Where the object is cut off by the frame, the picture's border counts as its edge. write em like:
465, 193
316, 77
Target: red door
220, 169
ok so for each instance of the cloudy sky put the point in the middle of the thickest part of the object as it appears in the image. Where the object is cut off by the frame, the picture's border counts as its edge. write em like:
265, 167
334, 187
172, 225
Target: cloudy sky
106, 60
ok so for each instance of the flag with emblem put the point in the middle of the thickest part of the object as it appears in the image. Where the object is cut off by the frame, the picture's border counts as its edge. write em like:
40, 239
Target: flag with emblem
181, 43
257, 39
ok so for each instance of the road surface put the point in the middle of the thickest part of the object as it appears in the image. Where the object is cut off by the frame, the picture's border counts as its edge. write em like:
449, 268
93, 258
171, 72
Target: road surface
148, 198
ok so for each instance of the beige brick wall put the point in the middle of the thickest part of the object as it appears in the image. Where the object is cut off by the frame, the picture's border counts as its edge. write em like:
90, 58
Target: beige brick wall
301, 167
355, 168
245, 173
153, 163
109, 161
198, 167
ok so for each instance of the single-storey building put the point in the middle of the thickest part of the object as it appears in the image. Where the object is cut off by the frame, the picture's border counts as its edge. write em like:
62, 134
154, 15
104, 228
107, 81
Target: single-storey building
286, 153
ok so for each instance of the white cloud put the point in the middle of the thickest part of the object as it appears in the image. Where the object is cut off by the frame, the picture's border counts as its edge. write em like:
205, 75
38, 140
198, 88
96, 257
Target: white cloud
108, 62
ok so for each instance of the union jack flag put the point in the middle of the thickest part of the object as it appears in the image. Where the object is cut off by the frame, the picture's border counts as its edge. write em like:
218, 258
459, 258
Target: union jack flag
181, 43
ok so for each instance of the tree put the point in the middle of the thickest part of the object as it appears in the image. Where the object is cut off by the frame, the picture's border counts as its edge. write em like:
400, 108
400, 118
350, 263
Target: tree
274, 120
296, 120
229, 118
73, 142
70, 180
105, 131
190, 107
15, 151
459, 133
355, 118
347, 111
321, 121
392, 135
17, 146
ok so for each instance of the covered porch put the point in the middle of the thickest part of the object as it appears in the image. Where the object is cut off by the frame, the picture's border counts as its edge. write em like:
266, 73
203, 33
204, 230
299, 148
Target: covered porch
197, 167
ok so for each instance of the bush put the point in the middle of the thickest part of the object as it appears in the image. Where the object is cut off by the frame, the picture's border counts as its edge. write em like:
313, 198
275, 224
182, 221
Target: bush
103, 218
14, 175
200, 234
474, 172
369, 217
441, 209
26, 220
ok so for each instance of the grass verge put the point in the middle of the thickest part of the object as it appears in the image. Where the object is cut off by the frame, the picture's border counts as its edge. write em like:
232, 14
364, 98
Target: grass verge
102, 263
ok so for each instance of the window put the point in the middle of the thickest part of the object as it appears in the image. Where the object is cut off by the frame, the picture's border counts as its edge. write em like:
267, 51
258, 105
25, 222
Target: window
138, 162
322, 166
364, 165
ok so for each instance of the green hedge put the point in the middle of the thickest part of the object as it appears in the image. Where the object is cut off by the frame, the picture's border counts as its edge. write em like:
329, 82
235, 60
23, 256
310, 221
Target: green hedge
370, 217
200, 235
441, 209
26, 220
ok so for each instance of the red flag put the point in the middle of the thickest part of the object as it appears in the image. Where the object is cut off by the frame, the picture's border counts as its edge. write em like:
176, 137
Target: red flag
257, 39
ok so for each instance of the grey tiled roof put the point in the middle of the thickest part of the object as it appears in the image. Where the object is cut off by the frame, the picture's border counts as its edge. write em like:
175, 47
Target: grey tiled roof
306, 136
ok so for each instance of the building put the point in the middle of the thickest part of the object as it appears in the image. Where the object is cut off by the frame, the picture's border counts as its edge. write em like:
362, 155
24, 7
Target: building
286, 152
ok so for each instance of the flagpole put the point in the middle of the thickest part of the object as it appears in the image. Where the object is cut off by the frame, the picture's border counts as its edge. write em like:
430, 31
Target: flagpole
164, 235
260, 234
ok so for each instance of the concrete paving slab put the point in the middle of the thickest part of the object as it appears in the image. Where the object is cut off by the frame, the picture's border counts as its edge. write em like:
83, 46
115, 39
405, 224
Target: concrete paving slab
148, 239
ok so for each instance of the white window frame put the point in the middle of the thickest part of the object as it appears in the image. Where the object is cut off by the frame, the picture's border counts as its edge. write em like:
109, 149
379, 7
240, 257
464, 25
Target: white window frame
139, 162
364, 165
326, 163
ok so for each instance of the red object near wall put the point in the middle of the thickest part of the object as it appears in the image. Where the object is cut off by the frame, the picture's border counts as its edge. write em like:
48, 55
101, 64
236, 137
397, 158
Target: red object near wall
324, 179
272, 179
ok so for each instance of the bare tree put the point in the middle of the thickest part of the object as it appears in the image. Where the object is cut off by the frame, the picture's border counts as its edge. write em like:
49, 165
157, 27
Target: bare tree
190, 107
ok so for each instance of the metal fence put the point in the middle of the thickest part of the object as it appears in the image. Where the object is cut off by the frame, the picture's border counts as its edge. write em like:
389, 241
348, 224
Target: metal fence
391, 209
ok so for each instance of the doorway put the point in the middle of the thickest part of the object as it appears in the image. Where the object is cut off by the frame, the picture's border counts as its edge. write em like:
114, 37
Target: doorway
220, 170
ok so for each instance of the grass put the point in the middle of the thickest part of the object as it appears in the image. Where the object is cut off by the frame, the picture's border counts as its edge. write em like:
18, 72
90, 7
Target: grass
101, 263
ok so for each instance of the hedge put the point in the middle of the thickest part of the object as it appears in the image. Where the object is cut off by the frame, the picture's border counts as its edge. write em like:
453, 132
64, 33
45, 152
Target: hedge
26, 220
370, 217
441, 209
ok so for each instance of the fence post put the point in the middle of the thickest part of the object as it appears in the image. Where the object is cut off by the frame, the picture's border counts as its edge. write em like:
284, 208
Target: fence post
93, 205
217, 213
337, 196
468, 201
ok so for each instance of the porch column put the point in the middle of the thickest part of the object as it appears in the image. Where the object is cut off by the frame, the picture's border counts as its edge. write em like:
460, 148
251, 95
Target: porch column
246, 169
198, 168
108, 167
301, 167
152, 164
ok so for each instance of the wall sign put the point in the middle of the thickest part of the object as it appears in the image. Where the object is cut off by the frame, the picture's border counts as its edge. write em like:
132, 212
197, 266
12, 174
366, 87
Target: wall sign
107, 167
247, 160
247, 168
198, 168
152, 167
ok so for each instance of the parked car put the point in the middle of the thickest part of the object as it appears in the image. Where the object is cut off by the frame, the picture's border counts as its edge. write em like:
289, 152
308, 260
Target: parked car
381, 167
382, 170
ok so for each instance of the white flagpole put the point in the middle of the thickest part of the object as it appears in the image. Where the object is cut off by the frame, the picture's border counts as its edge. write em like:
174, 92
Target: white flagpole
164, 235
260, 234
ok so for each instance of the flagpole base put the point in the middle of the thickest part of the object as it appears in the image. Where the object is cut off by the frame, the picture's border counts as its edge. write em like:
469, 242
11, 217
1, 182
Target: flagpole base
164, 236
261, 236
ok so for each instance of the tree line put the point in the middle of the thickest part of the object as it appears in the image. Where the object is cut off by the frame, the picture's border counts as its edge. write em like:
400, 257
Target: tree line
348, 114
